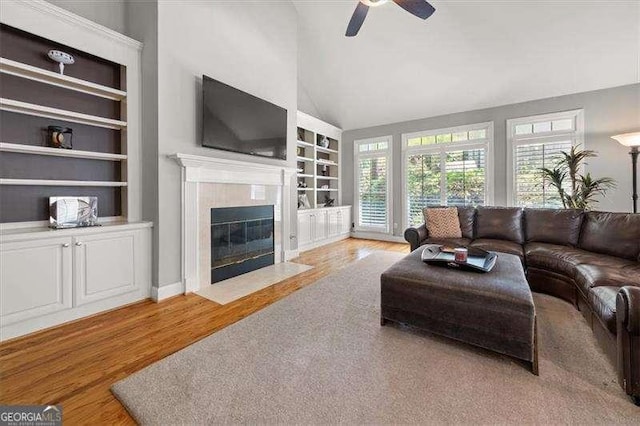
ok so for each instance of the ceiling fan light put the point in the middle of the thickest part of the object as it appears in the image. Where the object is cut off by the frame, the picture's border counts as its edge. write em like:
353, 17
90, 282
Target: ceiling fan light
373, 3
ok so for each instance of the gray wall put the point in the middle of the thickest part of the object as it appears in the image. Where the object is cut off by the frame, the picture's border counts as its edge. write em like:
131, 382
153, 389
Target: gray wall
249, 46
110, 13
607, 112
142, 23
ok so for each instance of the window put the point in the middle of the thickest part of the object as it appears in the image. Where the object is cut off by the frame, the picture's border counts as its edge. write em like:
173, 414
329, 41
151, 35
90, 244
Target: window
537, 142
446, 167
373, 186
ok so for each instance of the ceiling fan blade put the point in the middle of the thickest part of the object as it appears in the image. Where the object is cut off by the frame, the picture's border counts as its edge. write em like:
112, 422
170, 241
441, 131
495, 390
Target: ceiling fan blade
420, 8
357, 19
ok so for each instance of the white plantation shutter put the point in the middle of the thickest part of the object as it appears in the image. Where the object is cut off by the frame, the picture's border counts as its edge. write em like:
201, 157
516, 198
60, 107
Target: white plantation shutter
372, 189
465, 177
531, 190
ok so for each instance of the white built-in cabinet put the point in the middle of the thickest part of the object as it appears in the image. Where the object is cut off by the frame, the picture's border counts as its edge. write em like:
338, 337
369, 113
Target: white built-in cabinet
317, 227
319, 149
50, 277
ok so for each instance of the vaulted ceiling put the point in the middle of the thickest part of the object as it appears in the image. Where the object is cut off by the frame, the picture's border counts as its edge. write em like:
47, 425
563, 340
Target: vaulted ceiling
468, 55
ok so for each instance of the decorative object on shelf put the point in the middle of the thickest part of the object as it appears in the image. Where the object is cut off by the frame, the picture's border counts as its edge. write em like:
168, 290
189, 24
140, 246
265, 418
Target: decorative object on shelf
300, 170
325, 186
328, 202
60, 137
300, 134
73, 212
632, 140
62, 58
582, 188
300, 151
303, 202
325, 170
324, 142
302, 184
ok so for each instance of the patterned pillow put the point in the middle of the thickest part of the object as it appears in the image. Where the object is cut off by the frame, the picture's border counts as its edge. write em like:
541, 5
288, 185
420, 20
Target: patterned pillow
442, 222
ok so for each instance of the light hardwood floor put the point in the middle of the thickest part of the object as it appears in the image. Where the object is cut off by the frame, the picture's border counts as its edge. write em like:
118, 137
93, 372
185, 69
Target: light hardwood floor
75, 364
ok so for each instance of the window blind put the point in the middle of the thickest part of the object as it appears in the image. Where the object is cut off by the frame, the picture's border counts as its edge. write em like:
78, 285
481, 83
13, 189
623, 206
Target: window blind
372, 188
531, 189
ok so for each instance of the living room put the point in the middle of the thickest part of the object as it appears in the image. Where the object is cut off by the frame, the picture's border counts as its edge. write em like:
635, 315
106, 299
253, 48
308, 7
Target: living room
231, 212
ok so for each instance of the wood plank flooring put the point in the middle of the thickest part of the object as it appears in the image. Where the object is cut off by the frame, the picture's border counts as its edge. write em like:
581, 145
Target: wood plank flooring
75, 364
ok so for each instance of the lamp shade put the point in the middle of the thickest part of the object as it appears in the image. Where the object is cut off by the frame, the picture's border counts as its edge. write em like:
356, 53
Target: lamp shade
628, 139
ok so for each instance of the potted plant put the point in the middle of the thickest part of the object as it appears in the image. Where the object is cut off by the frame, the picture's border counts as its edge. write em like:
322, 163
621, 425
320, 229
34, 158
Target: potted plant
581, 190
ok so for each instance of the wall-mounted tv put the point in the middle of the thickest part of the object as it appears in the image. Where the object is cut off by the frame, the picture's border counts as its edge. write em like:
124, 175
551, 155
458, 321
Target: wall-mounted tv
233, 120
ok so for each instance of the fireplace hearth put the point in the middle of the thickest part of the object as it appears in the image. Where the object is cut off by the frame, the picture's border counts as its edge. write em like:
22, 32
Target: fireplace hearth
241, 240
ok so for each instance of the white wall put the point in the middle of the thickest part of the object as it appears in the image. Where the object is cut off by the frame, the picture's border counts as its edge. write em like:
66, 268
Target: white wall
110, 13
251, 45
607, 112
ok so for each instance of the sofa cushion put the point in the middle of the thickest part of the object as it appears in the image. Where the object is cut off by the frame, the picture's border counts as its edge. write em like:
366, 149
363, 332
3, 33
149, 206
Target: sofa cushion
499, 245
449, 242
617, 275
603, 303
564, 260
467, 217
616, 234
555, 226
442, 222
500, 223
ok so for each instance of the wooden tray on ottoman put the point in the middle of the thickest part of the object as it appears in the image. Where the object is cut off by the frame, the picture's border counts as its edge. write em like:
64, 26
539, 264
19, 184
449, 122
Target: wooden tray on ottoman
477, 259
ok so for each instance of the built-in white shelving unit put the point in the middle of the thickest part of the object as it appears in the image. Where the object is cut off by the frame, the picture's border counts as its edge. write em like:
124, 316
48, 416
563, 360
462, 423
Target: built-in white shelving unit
318, 160
57, 152
69, 281
60, 114
51, 182
7, 66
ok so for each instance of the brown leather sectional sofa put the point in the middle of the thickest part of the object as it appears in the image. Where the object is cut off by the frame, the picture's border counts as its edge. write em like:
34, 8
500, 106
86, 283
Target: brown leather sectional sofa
591, 259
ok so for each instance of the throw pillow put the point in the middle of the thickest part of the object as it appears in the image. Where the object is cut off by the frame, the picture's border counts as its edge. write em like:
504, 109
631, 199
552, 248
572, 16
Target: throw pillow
442, 222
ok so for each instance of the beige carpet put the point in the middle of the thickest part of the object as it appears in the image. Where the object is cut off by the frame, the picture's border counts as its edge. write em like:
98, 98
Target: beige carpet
320, 356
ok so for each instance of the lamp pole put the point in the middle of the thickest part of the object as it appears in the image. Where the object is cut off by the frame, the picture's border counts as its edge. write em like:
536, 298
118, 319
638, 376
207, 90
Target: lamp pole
634, 179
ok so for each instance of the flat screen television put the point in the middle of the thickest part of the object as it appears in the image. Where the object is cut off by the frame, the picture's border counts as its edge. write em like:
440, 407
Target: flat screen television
233, 120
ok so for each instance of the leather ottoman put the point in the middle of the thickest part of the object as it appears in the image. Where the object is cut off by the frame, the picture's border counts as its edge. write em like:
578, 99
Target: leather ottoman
492, 310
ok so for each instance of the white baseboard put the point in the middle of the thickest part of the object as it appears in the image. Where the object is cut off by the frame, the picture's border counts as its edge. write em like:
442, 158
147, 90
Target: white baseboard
324, 242
378, 237
166, 291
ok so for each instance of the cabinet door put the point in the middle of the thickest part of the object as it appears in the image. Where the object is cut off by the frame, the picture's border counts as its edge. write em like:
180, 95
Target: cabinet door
305, 228
35, 278
321, 222
334, 222
104, 266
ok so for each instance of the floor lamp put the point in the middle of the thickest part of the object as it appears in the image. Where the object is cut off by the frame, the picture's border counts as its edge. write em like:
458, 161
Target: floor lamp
632, 140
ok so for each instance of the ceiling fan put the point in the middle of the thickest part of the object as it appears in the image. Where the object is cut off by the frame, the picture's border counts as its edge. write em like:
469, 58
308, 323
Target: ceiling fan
420, 8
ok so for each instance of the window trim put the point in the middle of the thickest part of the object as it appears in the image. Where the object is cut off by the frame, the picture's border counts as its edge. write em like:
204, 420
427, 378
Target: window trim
487, 143
357, 156
513, 140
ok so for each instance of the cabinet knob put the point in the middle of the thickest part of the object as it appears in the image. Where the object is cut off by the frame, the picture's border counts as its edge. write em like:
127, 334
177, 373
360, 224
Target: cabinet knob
79, 243
65, 245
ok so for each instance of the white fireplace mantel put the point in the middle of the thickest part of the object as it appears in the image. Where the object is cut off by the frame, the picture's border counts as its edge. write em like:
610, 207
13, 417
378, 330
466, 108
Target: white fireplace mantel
199, 169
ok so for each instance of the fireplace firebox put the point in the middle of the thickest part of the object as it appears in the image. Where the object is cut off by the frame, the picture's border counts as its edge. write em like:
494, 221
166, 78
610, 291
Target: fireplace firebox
241, 240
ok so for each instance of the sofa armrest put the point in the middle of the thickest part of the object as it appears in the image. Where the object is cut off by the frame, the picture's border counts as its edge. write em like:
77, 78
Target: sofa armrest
628, 336
628, 310
415, 236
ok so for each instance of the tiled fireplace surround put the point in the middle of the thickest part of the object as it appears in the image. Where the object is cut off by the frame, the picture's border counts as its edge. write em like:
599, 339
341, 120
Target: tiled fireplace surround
210, 183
